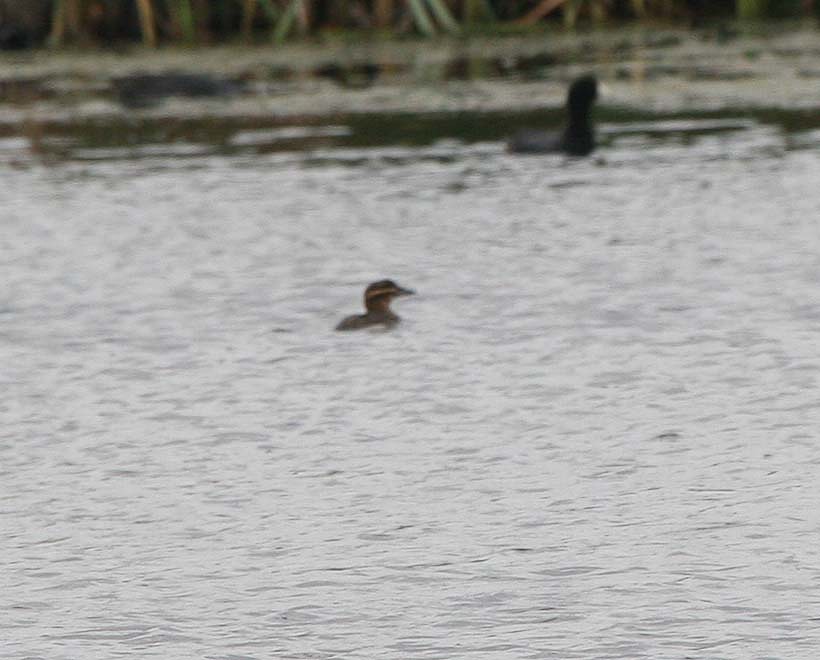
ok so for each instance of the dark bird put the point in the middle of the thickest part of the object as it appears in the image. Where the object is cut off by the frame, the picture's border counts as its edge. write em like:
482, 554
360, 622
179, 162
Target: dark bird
377, 299
147, 89
578, 136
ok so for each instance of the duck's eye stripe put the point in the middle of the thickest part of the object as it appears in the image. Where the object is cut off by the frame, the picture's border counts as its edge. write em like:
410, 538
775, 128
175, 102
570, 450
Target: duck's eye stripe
379, 292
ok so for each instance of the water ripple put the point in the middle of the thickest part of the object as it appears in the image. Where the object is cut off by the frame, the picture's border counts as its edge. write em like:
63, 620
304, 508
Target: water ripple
593, 435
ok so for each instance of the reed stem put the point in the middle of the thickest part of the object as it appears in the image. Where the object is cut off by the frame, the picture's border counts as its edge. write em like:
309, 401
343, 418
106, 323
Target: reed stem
286, 21
191, 21
751, 9
185, 19
475, 10
383, 11
422, 19
443, 15
57, 35
249, 8
147, 25
541, 10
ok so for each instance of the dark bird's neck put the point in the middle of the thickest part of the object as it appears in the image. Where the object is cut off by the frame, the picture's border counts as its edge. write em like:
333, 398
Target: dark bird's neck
578, 139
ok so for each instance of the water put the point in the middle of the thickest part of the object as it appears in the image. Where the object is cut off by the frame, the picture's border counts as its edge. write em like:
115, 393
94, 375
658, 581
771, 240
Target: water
594, 434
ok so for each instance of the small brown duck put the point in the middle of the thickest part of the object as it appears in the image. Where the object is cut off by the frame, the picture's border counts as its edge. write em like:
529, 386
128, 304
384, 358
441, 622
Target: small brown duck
377, 299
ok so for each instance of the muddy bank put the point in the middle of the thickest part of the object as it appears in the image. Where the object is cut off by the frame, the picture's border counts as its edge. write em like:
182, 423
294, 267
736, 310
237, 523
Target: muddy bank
428, 90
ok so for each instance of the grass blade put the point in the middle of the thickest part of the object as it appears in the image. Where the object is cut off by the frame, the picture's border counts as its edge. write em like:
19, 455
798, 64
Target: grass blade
147, 24
286, 21
475, 10
57, 35
751, 9
445, 18
423, 21
185, 17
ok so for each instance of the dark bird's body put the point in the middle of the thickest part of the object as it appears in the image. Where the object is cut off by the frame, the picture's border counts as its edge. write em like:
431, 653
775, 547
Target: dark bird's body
148, 89
377, 299
578, 136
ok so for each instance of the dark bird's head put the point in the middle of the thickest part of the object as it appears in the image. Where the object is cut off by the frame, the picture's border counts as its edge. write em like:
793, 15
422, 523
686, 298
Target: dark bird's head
378, 295
582, 94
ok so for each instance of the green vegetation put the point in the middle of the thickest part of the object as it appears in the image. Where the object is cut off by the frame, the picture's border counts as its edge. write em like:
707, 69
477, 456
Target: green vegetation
206, 21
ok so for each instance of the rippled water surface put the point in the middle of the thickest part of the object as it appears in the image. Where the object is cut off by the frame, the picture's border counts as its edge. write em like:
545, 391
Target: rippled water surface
594, 435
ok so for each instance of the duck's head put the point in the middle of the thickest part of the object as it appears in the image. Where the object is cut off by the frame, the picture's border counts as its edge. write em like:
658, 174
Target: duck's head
378, 295
582, 93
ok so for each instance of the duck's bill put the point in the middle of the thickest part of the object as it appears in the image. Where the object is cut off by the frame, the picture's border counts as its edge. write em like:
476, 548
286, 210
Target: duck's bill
401, 291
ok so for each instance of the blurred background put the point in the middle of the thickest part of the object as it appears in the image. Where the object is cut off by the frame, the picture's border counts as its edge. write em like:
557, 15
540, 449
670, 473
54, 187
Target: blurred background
24, 24
188, 70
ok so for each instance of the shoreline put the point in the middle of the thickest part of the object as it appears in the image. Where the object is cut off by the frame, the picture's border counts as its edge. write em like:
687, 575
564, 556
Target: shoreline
645, 72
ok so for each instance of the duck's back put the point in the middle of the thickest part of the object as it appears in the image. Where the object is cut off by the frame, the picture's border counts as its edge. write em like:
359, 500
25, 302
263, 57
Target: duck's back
534, 142
354, 322
360, 321
572, 142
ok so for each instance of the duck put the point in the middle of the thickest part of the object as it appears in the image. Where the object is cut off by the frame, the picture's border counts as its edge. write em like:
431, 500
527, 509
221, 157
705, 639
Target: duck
145, 90
578, 136
377, 298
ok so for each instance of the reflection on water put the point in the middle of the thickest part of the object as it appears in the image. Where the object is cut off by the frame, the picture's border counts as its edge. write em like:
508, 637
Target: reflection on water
112, 138
592, 436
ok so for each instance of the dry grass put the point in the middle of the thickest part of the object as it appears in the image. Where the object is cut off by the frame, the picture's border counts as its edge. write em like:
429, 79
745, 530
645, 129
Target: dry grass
203, 21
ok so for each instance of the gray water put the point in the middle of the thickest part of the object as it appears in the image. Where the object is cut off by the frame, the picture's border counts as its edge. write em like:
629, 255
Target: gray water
594, 434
